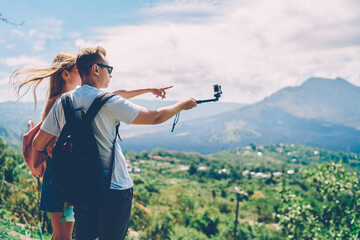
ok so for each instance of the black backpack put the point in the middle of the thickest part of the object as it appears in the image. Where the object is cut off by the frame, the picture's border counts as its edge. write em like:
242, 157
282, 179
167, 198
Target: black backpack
77, 171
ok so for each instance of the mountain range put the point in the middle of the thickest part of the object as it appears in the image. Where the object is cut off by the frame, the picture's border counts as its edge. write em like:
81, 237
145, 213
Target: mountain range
320, 112
16, 115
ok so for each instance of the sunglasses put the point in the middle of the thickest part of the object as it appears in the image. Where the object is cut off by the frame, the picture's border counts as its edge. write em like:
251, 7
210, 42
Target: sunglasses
110, 68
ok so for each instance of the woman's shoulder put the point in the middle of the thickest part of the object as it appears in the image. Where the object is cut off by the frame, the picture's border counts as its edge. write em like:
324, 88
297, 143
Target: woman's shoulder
49, 104
53, 99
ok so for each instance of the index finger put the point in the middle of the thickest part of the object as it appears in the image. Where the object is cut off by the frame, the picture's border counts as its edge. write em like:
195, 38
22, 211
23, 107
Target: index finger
167, 87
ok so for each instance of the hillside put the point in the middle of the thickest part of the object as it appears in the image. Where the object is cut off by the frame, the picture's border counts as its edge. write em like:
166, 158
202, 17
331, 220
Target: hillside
320, 113
185, 196
335, 101
15, 116
14, 119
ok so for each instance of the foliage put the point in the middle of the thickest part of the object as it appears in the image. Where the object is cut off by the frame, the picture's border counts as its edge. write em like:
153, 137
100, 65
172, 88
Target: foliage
161, 225
332, 213
186, 195
19, 194
5, 20
4, 234
207, 222
12, 231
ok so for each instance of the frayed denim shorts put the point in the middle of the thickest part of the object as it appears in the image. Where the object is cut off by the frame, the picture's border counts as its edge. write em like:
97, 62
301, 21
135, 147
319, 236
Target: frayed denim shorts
50, 197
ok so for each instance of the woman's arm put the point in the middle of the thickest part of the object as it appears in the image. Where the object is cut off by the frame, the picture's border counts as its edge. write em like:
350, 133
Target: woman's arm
158, 92
41, 139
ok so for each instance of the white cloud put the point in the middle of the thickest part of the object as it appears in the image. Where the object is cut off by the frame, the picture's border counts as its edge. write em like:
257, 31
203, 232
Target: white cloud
252, 48
4, 78
7, 92
202, 7
41, 32
17, 32
37, 37
47, 29
10, 46
4, 95
81, 43
73, 34
23, 60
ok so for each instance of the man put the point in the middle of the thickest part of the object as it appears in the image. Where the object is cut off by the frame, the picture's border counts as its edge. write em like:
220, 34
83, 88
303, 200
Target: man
111, 219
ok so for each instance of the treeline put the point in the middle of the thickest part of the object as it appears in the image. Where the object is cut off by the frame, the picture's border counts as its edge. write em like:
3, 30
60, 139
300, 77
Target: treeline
290, 192
20, 195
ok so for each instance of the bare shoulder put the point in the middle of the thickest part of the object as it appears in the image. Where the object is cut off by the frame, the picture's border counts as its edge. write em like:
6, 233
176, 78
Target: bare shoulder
49, 104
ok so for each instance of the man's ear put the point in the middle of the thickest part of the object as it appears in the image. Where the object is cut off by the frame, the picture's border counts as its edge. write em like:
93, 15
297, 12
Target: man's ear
95, 69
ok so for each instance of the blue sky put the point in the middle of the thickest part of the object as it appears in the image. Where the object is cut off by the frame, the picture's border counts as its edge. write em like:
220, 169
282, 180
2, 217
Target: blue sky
251, 47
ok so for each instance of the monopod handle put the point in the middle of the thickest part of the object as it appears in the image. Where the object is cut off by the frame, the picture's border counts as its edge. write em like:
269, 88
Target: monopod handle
207, 100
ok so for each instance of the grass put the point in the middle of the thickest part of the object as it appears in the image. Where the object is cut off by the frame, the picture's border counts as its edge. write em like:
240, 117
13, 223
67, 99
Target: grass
12, 231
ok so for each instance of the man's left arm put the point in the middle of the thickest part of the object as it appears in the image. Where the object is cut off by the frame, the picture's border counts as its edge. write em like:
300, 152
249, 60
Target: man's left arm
127, 94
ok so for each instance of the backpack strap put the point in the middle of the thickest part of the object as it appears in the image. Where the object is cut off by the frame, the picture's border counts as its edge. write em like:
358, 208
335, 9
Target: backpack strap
96, 105
68, 107
113, 152
99, 101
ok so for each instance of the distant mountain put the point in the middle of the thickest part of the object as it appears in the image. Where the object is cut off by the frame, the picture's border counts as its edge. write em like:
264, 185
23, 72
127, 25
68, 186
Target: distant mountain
335, 101
320, 113
203, 110
11, 137
15, 116
14, 119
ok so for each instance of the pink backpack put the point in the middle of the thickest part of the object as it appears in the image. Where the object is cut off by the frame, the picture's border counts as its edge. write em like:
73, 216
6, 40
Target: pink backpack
35, 160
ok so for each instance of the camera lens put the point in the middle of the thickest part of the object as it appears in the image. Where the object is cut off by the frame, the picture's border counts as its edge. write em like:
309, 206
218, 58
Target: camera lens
216, 88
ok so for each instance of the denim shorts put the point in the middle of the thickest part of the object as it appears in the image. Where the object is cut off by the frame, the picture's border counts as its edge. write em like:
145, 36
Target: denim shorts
50, 197
108, 221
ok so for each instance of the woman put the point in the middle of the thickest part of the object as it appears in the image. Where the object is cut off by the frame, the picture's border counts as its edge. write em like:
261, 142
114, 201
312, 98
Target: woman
64, 77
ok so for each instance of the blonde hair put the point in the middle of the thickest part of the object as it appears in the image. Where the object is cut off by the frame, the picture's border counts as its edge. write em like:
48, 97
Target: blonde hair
33, 76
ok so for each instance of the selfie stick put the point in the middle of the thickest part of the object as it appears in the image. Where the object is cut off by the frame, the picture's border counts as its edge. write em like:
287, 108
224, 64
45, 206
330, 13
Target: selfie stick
217, 95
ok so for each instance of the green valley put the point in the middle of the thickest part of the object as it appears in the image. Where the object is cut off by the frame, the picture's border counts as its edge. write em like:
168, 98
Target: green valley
287, 190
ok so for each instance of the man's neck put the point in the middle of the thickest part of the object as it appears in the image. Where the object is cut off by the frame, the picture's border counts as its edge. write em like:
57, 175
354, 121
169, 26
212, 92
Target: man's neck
90, 82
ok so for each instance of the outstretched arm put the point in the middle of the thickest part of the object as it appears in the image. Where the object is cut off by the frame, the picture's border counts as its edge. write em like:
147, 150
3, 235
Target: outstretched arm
158, 92
161, 115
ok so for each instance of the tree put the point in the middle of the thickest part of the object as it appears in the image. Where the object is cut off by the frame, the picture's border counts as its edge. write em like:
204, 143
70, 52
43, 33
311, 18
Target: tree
143, 155
161, 152
161, 225
192, 169
333, 212
9, 169
253, 146
207, 222
5, 20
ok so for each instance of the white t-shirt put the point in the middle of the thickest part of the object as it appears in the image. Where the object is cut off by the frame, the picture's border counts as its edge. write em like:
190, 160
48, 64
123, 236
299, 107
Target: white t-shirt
115, 110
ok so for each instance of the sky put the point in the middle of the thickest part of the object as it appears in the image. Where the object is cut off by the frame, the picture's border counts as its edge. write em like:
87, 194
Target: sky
252, 48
